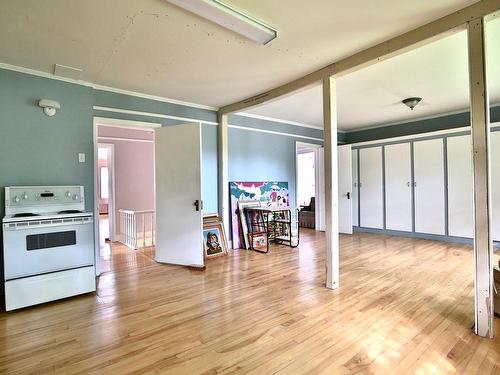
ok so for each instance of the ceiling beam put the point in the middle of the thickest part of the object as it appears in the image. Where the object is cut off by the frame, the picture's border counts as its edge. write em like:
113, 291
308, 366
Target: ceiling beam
379, 52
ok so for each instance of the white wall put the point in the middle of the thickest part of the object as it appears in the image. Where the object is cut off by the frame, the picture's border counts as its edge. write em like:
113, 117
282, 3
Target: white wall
134, 167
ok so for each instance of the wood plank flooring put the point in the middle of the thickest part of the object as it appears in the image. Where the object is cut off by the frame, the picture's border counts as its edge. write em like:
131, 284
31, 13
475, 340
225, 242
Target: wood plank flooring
405, 306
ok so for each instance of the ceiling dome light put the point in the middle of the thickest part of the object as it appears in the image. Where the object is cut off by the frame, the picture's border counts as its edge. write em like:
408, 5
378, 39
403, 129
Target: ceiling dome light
411, 102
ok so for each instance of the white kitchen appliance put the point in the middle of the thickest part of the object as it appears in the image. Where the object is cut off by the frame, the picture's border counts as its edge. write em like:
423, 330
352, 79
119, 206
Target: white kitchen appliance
48, 245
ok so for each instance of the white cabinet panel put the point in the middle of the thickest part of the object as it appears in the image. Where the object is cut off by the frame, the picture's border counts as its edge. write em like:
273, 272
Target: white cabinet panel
371, 191
355, 201
460, 200
398, 187
429, 186
495, 184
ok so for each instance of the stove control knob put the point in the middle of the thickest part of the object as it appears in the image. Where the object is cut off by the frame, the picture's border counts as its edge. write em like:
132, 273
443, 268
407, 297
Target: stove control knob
16, 199
75, 197
25, 196
68, 194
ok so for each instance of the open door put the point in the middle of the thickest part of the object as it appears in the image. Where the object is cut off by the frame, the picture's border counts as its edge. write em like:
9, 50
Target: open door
178, 195
345, 186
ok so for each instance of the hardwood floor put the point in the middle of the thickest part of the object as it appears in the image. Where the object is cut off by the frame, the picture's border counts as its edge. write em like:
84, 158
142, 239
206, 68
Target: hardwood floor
405, 306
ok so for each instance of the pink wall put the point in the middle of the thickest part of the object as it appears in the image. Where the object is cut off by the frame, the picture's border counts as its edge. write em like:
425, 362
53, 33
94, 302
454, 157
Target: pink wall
134, 168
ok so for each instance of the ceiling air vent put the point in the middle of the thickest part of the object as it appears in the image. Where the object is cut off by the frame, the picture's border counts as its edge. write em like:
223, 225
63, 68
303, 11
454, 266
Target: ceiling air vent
67, 72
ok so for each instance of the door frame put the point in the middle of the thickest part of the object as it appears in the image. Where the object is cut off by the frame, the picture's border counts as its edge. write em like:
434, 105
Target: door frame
111, 186
345, 199
129, 124
318, 173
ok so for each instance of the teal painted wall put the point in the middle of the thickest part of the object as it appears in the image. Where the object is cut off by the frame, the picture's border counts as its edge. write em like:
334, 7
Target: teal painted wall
42, 150
37, 149
257, 156
208, 132
446, 122
209, 168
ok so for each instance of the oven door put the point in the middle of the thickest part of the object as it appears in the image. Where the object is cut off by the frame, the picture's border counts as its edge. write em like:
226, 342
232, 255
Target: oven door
38, 248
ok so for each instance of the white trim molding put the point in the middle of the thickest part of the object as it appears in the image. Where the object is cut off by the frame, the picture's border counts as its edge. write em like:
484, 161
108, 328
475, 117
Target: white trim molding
150, 114
275, 132
285, 122
95, 86
104, 138
129, 124
118, 122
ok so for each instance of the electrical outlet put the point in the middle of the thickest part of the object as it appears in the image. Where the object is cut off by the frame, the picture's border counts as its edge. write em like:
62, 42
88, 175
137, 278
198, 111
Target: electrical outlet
81, 157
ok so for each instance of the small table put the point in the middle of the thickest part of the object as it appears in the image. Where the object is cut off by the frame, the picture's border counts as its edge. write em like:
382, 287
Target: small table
275, 223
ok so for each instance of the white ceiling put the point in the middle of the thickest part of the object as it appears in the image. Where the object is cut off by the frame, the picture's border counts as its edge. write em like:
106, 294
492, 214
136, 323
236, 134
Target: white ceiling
150, 46
437, 72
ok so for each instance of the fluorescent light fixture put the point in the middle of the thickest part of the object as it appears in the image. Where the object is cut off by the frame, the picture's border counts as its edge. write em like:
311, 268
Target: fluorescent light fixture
230, 18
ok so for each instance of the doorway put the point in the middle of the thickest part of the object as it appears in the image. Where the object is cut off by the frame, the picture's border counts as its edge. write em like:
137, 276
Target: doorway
310, 185
170, 176
105, 183
125, 192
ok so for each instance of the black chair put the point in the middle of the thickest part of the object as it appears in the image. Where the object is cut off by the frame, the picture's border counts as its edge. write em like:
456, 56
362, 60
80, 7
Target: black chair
307, 215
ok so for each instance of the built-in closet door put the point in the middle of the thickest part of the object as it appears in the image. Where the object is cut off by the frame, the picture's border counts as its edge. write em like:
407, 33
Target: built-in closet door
495, 184
345, 188
371, 188
398, 199
429, 186
460, 200
355, 202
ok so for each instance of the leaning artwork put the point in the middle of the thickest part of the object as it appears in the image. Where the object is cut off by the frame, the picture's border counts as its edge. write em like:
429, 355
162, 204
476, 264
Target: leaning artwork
214, 240
268, 193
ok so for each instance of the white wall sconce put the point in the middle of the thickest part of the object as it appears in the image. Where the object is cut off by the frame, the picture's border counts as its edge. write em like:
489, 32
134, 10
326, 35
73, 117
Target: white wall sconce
49, 106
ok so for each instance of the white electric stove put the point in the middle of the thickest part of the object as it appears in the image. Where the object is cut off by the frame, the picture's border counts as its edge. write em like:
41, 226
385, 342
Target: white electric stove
48, 245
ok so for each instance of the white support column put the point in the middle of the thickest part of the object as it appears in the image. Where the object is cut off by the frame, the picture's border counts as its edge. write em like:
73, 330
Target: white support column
331, 182
480, 130
223, 183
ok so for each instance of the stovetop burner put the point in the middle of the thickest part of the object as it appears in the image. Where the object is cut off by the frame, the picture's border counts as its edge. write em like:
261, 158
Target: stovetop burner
70, 212
25, 214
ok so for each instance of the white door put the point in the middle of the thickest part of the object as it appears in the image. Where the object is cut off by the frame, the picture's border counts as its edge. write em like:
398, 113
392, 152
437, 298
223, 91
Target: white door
460, 199
354, 195
495, 184
398, 200
345, 188
370, 188
429, 186
178, 187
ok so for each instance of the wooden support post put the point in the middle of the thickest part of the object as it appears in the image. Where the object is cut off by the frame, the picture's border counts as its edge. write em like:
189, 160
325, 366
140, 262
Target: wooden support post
331, 182
223, 183
480, 131
389, 48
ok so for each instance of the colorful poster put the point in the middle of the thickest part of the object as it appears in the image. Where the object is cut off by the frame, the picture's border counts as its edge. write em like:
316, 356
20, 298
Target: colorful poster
268, 193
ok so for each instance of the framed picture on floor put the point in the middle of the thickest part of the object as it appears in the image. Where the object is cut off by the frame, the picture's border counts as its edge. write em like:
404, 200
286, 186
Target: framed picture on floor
244, 220
210, 218
214, 240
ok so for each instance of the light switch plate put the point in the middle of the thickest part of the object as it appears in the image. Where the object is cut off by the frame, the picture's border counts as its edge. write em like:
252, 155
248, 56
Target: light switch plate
81, 157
